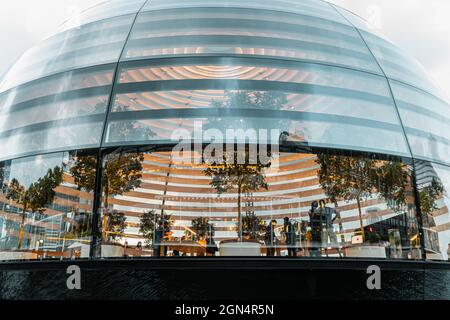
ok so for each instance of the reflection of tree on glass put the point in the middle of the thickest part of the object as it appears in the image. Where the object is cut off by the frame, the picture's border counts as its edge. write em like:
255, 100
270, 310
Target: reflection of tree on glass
116, 225
202, 228
80, 224
121, 174
264, 100
150, 221
253, 227
428, 196
357, 178
36, 197
128, 130
231, 175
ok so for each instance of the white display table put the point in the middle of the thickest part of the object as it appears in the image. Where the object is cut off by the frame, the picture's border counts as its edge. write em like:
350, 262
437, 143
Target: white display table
111, 251
240, 249
365, 252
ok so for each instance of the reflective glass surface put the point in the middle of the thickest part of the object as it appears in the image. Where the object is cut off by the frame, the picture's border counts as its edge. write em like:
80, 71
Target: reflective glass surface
169, 206
237, 28
92, 44
44, 213
307, 7
104, 10
426, 121
396, 63
433, 183
315, 104
60, 112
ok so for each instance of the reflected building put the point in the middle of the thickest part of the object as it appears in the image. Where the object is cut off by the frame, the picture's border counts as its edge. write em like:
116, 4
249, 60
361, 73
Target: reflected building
92, 121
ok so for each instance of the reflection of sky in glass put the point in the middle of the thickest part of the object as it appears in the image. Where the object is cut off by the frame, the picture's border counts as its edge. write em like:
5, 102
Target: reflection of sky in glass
29, 170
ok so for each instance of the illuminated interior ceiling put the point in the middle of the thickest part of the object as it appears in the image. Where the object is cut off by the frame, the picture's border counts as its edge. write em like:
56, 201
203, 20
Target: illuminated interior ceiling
183, 192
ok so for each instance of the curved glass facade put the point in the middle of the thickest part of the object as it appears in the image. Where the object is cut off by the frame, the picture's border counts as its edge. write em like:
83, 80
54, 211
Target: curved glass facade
123, 117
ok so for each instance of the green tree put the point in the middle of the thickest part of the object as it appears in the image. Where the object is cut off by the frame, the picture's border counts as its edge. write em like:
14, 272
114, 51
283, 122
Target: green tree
252, 226
243, 178
428, 195
150, 221
129, 130
36, 197
116, 225
202, 227
80, 224
356, 178
263, 100
392, 179
121, 173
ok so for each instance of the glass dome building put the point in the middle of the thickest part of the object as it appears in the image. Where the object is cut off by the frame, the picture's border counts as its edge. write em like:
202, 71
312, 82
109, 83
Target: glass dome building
113, 131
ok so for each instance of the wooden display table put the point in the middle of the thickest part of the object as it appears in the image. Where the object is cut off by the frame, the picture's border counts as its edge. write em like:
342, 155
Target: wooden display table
185, 248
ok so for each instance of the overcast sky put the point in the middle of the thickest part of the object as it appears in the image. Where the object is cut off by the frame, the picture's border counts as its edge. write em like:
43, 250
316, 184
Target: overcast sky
421, 27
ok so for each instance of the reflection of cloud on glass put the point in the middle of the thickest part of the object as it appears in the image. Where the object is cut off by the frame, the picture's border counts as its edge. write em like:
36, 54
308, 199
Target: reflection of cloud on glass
374, 17
74, 13
29, 170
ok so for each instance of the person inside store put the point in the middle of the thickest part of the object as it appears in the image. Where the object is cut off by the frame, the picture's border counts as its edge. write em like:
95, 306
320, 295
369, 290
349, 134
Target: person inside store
315, 222
328, 221
303, 245
125, 247
290, 237
139, 249
271, 238
159, 235
211, 247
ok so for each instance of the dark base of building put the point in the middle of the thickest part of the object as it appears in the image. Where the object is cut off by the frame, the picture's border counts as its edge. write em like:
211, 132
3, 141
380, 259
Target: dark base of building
217, 279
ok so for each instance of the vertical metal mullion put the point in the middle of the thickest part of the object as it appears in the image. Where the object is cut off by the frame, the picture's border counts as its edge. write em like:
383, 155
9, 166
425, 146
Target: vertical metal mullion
100, 155
97, 205
418, 211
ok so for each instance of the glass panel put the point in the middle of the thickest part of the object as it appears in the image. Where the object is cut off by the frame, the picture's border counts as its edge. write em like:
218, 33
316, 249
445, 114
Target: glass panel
311, 8
302, 99
426, 119
358, 21
433, 182
203, 99
46, 115
239, 31
57, 110
346, 92
57, 84
108, 9
395, 63
318, 130
95, 44
243, 69
44, 213
60, 136
399, 65
170, 204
